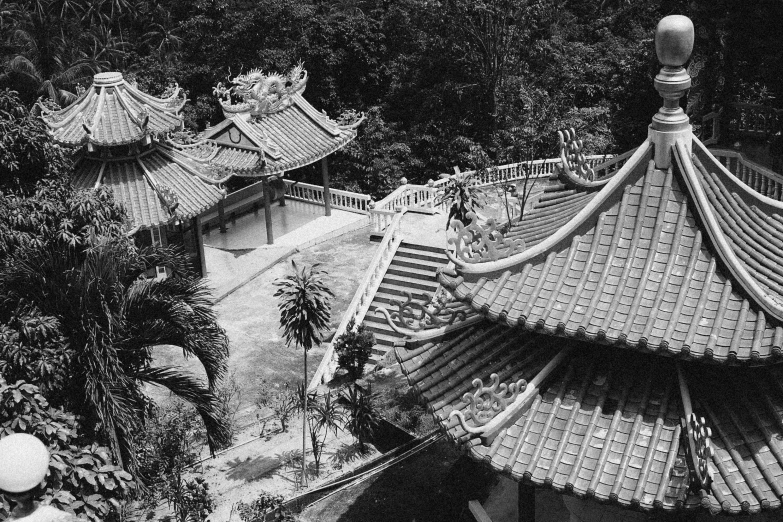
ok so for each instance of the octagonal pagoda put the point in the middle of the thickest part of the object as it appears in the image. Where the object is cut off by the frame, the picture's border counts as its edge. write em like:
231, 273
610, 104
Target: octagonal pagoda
631, 336
123, 134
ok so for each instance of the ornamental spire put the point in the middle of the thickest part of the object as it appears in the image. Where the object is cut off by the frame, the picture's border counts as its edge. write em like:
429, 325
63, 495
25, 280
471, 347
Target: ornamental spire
673, 45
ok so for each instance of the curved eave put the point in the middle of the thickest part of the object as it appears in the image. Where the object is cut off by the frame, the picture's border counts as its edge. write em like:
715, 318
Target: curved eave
609, 427
493, 268
135, 181
719, 222
110, 115
286, 164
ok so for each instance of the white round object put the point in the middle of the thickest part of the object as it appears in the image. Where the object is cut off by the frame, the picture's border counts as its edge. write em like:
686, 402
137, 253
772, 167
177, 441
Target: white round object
24, 461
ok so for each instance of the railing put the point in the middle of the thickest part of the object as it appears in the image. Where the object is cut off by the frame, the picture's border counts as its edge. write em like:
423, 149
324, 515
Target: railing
423, 196
342, 199
405, 196
516, 171
760, 179
755, 120
363, 296
711, 122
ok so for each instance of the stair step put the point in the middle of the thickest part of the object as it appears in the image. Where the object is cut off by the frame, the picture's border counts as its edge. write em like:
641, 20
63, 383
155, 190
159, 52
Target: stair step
428, 248
411, 284
393, 290
419, 264
424, 255
425, 274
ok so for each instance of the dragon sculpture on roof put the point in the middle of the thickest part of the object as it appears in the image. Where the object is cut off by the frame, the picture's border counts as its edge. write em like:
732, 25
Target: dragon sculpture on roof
262, 93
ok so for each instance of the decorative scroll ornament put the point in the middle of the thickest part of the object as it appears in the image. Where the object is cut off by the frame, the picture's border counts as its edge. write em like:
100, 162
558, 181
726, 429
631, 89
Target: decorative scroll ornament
486, 402
169, 198
475, 244
572, 155
424, 314
262, 93
700, 434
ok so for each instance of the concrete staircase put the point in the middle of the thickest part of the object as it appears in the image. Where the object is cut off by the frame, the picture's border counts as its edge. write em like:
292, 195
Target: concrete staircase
412, 269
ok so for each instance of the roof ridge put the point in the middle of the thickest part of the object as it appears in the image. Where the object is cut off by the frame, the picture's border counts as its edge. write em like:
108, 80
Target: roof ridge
321, 119
563, 233
772, 305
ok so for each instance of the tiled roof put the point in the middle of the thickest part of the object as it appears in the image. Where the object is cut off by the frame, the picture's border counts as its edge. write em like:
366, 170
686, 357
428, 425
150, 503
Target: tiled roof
139, 183
220, 161
639, 264
113, 112
292, 137
609, 427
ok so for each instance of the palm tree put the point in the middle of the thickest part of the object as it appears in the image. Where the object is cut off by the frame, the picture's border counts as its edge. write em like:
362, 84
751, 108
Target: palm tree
111, 318
47, 56
305, 310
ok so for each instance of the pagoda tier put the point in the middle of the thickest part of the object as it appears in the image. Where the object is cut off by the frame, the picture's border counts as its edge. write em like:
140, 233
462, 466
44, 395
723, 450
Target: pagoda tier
683, 261
671, 255
113, 112
274, 117
156, 187
604, 426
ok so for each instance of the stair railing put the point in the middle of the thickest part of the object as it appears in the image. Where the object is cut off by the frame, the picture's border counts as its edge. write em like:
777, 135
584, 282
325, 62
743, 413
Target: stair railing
364, 295
405, 196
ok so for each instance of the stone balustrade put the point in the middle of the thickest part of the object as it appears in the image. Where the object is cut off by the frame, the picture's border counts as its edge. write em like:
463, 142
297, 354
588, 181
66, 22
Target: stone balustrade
363, 297
341, 199
757, 177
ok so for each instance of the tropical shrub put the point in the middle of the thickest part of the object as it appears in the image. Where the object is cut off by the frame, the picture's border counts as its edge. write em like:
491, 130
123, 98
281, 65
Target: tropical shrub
281, 398
256, 510
354, 348
362, 418
83, 478
323, 415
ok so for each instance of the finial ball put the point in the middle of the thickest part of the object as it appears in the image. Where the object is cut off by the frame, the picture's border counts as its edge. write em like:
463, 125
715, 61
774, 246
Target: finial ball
674, 40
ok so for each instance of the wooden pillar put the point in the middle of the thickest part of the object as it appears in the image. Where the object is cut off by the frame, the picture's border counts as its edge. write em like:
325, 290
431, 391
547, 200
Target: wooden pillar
282, 197
200, 244
526, 502
327, 197
270, 238
222, 216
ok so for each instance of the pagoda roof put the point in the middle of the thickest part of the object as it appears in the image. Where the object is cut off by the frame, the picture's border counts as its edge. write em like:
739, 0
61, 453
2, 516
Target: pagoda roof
155, 187
275, 118
113, 112
684, 260
220, 161
603, 426
295, 136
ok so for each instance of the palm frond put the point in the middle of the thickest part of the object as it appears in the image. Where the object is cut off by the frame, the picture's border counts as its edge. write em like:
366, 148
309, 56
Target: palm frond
199, 396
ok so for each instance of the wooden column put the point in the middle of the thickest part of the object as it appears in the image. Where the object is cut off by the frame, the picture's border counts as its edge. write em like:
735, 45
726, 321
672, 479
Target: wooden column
327, 197
222, 216
200, 244
282, 197
526, 502
270, 238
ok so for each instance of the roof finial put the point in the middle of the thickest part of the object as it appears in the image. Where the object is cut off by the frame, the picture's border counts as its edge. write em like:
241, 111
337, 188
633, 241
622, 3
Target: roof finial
673, 44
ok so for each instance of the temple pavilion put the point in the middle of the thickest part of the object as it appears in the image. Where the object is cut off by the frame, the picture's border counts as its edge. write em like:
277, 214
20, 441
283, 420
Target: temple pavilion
626, 340
268, 120
124, 136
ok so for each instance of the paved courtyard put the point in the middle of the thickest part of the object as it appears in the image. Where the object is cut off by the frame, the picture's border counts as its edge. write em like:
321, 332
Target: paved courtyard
249, 314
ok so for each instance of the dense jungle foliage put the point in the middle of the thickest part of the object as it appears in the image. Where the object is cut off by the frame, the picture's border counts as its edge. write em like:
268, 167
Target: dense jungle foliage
440, 81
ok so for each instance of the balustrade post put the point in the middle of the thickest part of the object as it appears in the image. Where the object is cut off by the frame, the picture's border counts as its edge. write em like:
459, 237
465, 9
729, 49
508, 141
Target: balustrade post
327, 196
